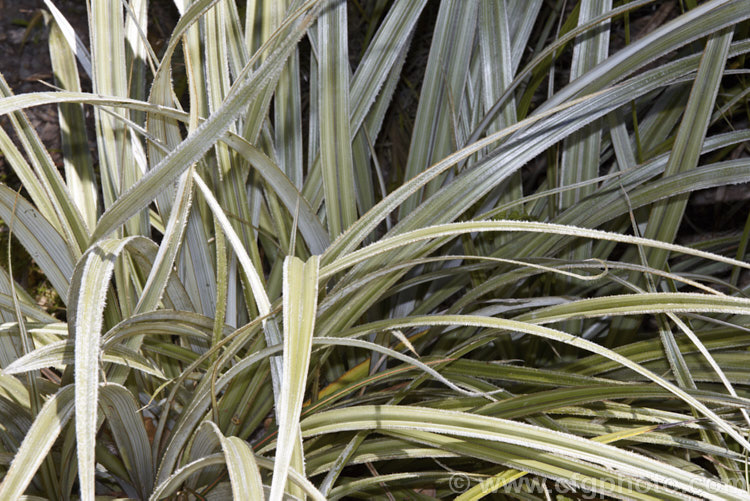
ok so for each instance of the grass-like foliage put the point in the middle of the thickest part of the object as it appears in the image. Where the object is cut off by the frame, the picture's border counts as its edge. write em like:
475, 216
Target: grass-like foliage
286, 275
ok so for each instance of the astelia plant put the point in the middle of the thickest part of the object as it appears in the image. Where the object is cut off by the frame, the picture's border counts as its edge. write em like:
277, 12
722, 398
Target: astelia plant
264, 299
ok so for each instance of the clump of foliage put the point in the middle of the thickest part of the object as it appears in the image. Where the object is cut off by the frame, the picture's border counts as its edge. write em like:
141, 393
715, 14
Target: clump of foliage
262, 300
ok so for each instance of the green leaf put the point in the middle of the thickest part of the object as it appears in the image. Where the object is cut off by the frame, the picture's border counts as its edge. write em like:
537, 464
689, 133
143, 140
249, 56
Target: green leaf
445, 77
40, 239
512, 325
300, 297
42, 179
79, 170
126, 424
203, 138
457, 424
86, 302
162, 266
665, 217
37, 443
62, 353
429, 233
243, 470
580, 157
335, 135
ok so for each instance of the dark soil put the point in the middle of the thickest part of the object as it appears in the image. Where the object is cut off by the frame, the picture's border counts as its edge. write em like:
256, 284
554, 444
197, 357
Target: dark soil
25, 64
